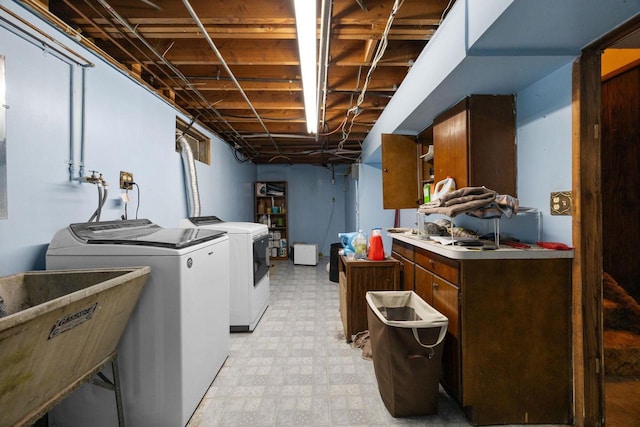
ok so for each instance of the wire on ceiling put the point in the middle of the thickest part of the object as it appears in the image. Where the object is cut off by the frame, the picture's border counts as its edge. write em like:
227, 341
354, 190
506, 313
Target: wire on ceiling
446, 9
153, 5
382, 46
201, 100
213, 47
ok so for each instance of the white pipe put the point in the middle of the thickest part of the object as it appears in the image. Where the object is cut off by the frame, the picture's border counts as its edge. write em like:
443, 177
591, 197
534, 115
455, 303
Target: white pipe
82, 121
72, 149
191, 178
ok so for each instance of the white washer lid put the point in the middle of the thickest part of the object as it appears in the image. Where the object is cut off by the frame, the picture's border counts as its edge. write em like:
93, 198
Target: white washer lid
214, 223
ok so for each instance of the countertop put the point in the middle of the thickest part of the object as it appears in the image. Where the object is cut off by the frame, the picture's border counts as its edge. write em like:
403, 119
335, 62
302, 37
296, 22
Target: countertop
460, 252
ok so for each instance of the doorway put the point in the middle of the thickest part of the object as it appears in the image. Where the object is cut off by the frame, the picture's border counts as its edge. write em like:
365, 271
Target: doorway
605, 227
620, 136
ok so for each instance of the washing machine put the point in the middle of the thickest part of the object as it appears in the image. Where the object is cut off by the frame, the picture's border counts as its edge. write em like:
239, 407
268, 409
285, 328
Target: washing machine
177, 337
249, 245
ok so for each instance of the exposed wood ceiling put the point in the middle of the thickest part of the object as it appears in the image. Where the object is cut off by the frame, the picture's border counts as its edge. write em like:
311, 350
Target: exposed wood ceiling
161, 42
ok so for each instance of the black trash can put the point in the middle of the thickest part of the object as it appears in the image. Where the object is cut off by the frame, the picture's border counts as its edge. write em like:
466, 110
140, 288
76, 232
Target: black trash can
333, 262
407, 340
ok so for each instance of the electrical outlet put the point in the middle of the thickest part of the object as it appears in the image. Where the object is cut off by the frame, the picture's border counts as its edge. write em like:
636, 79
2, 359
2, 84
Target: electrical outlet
126, 180
561, 202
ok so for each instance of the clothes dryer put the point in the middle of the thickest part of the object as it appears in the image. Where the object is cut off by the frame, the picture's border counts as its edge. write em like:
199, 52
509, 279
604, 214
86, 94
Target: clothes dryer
249, 247
176, 339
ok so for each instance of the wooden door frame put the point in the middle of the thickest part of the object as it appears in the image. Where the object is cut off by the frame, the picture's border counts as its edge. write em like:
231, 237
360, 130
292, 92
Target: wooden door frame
587, 240
588, 369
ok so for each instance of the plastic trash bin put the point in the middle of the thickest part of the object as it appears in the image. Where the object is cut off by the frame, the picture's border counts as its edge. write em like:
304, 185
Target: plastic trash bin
333, 262
407, 339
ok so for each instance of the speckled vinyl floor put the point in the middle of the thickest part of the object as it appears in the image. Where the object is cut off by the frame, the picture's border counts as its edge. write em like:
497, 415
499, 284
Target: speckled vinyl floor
296, 369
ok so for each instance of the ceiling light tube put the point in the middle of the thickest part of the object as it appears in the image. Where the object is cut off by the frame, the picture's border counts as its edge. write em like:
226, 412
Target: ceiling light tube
306, 23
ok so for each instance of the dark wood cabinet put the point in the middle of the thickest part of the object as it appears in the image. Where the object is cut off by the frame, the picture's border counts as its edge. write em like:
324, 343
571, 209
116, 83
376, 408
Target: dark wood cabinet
446, 299
399, 172
356, 277
475, 143
516, 341
507, 354
404, 254
423, 285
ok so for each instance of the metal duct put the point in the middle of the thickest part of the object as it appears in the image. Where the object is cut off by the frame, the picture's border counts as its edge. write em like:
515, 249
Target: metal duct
191, 179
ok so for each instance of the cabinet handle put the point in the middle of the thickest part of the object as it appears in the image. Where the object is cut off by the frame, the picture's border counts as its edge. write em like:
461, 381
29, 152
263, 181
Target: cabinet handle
435, 285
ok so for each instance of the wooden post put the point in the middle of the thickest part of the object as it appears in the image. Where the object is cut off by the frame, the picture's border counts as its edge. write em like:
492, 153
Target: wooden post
587, 240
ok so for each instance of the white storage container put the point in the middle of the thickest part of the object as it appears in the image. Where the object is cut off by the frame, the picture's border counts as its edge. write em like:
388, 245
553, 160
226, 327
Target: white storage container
305, 254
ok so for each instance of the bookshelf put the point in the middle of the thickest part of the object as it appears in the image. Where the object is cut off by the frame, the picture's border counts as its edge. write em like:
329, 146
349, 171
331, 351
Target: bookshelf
271, 209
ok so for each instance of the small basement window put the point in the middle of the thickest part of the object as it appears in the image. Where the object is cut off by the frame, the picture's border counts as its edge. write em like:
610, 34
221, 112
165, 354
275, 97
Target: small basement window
200, 144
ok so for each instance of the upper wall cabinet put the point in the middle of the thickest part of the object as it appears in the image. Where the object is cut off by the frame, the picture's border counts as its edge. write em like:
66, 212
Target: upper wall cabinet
399, 172
475, 143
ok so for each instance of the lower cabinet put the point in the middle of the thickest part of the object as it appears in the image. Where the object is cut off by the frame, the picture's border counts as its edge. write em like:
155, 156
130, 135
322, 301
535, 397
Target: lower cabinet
404, 254
423, 284
355, 279
507, 355
446, 299
444, 295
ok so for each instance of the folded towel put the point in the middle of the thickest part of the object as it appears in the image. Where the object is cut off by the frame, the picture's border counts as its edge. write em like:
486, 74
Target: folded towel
464, 200
503, 205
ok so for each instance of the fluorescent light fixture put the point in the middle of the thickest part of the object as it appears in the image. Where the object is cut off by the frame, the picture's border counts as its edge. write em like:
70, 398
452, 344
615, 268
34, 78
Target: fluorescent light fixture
306, 23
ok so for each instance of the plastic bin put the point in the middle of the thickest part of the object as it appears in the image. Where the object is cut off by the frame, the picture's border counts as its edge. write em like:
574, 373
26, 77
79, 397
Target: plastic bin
305, 254
333, 261
407, 339
59, 328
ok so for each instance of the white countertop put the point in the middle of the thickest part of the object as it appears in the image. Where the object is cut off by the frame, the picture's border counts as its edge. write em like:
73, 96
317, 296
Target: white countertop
461, 252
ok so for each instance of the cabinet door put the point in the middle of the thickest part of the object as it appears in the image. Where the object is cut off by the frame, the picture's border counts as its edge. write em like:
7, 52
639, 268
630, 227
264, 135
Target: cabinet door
424, 284
407, 273
450, 148
342, 281
492, 143
474, 142
446, 297
399, 172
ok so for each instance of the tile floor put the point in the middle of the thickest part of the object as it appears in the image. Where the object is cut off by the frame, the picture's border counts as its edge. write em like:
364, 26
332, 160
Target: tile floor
296, 369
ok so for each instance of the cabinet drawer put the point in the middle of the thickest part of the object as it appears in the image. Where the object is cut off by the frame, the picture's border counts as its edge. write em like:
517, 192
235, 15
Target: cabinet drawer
446, 268
404, 249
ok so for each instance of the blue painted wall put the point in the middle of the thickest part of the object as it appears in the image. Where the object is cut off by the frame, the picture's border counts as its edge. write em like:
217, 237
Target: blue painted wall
499, 47
316, 206
543, 135
128, 128
544, 148
364, 210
